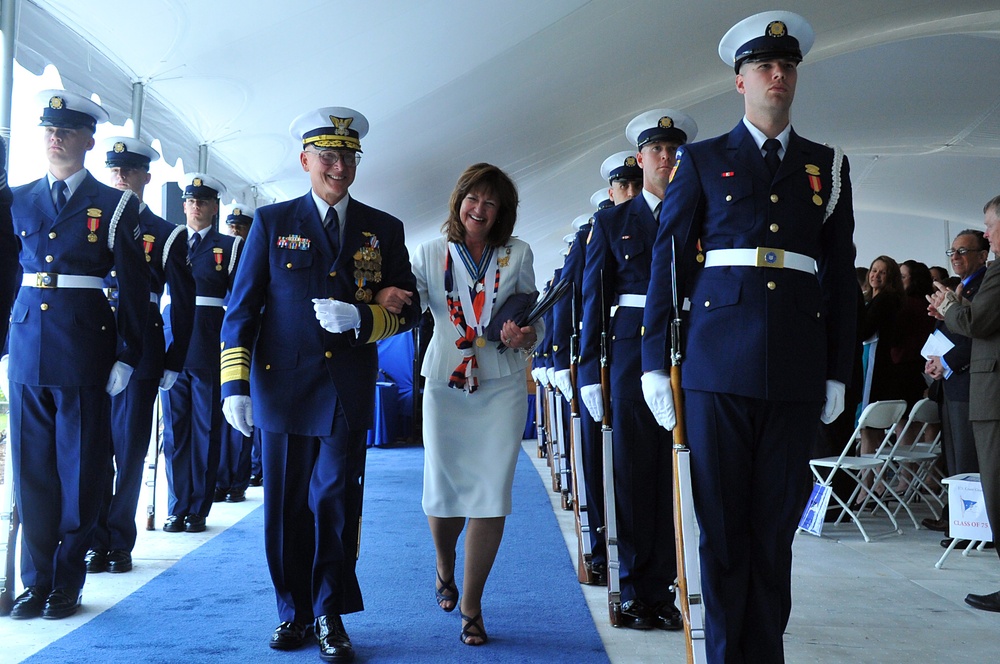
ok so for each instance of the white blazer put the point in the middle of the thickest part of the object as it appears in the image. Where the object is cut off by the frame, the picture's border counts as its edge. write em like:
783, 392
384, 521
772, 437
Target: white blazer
517, 276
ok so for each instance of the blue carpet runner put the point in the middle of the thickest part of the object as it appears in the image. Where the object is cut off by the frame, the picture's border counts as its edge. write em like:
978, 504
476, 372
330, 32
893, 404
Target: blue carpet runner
216, 604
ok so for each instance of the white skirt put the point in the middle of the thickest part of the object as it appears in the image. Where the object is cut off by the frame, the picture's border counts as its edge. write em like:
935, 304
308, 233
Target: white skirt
471, 442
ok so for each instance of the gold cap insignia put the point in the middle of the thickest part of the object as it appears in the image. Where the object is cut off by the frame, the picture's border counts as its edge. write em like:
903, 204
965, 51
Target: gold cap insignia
56, 102
237, 212
631, 162
93, 212
666, 122
197, 182
119, 147
776, 29
341, 125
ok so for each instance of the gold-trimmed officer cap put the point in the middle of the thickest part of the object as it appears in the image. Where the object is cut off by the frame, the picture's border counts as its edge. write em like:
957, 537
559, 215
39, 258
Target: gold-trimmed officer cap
240, 215
62, 108
621, 166
581, 221
202, 186
775, 34
330, 127
600, 201
128, 152
661, 124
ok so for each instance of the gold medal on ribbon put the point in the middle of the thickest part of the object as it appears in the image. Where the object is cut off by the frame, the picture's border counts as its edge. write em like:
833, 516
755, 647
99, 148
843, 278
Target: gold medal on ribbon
360, 295
481, 342
91, 237
812, 172
368, 295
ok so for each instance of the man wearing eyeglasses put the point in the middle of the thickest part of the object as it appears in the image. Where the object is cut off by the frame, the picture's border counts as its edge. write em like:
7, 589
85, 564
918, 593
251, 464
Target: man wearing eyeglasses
322, 278
968, 260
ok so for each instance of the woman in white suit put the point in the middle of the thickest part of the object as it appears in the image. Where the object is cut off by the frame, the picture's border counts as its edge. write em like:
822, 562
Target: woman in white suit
475, 398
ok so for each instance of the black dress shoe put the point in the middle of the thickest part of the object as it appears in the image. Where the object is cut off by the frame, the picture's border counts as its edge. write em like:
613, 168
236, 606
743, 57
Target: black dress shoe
598, 574
937, 525
668, 617
256, 480
636, 615
119, 561
97, 561
61, 603
989, 602
220, 495
194, 523
334, 644
290, 635
174, 524
236, 496
30, 603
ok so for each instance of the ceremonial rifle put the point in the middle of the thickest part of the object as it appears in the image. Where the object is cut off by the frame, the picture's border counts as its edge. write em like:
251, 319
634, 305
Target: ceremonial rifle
151, 465
9, 517
686, 531
584, 552
610, 512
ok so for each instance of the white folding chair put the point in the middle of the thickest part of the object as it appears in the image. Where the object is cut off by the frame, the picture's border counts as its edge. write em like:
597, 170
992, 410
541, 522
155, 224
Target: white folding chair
882, 416
911, 463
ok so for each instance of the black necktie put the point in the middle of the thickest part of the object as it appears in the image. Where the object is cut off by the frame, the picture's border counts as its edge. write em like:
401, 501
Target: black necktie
195, 241
59, 188
331, 222
771, 147
656, 211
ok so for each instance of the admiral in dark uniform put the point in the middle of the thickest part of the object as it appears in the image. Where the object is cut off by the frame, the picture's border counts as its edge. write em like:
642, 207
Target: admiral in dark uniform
235, 460
68, 352
769, 338
192, 412
132, 410
329, 257
616, 276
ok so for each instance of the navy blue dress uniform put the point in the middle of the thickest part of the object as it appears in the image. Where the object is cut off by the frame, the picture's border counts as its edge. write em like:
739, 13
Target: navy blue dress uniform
761, 345
234, 461
192, 415
563, 324
64, 346
163, 245
615, 281
313, 391
9, 248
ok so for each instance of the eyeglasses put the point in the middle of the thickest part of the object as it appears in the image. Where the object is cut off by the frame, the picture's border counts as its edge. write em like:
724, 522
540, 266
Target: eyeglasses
961, 252
331, 157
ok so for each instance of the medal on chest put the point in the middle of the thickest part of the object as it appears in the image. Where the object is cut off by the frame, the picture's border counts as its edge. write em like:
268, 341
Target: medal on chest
217, 255
147, 245
93, 223
812, 171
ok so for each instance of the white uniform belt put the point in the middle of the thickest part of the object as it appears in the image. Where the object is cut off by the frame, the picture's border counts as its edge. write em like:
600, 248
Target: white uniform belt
631, 300
760, 257
203, 301
53, 280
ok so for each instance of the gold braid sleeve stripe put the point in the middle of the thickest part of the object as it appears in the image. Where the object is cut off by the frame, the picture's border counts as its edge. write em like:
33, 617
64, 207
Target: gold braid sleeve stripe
384, 324
235, 364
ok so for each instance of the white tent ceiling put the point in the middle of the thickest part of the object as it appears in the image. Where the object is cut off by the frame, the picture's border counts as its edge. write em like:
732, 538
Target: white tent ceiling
543, 89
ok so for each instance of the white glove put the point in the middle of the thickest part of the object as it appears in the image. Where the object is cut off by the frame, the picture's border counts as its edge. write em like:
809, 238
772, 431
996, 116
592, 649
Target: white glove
534, 374
4, 383
593, 399
834, 404
550, 376
118, 380
564, 382
543, 376
660, 399
239, 413
336, 316
168, 380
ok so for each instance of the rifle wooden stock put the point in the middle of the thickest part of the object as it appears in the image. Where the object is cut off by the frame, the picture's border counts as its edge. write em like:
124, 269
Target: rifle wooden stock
686, 533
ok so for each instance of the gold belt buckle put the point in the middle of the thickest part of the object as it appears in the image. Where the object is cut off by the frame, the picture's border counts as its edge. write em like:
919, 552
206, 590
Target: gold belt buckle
770, 257
46, 280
